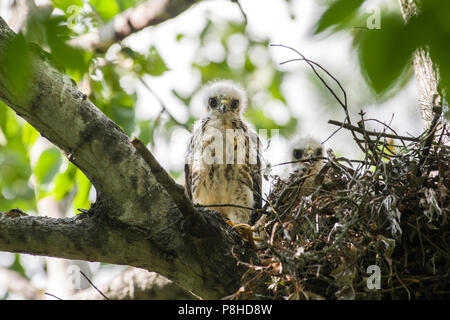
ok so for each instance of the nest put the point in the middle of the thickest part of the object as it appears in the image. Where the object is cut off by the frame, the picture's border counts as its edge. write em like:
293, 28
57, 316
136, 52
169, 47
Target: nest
370, 229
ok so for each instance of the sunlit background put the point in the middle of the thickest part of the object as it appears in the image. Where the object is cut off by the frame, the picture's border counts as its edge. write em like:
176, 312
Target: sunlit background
213, 39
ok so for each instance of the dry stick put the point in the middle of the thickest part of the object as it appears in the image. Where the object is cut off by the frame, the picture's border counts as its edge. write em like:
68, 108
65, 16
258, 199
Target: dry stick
371, 133
175, 190
223, 205
367, 140
387, 126
426, 148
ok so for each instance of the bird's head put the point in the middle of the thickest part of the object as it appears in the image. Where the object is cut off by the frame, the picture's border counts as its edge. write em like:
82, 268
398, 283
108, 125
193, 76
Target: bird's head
303, 148
225, 99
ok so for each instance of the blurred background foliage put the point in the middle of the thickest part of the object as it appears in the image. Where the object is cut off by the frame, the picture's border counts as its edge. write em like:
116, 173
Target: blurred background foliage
220, 48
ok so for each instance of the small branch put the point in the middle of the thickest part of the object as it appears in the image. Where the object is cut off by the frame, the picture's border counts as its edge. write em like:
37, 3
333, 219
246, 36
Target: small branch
93, 286
52, 295
218, 205
242, 10
371, 133
151, 12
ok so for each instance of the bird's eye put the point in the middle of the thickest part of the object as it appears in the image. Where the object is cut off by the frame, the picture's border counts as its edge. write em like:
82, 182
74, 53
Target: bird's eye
318, 152
234, 104
298, 153
212, 102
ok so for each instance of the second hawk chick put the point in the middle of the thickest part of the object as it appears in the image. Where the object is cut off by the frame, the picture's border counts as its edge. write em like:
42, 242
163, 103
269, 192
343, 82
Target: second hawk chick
303, 148
223, 158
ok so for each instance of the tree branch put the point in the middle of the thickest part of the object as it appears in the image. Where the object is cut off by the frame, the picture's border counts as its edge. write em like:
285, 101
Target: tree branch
130, 21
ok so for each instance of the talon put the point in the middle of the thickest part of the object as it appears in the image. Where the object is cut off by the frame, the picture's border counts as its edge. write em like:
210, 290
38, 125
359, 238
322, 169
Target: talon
246, 231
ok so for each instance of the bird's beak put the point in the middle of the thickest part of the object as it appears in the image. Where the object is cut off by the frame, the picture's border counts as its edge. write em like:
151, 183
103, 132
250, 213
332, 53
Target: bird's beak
223, 105
309, 152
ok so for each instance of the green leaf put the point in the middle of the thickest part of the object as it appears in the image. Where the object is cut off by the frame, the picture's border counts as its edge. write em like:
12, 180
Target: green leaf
275, 86
152, 63
16, 63
106, 9
83, 188
47, 165
64, 4
125, 4
123, 112
64, 55
385, 54
29, 135
146, 129
17, 266
339, 12
155, 65
64, 182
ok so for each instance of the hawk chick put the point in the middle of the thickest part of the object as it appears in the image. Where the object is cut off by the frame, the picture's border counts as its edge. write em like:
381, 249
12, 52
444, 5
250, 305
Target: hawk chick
303, 148
223, 157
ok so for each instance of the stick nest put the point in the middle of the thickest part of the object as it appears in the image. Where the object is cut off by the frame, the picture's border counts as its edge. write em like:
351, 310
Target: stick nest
387, 213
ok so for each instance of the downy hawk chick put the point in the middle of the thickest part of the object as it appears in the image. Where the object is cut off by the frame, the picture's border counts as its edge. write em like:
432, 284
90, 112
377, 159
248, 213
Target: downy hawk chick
304, 148
222, 163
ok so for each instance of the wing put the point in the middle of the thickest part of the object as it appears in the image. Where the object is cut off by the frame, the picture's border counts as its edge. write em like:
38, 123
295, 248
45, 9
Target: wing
256, 181
188, 169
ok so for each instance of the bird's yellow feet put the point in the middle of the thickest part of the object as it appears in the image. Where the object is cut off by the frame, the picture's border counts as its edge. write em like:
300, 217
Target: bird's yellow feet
246, 231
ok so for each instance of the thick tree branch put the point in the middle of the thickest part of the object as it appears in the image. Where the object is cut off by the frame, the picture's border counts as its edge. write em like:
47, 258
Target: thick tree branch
136, 220
130, 21
80, 237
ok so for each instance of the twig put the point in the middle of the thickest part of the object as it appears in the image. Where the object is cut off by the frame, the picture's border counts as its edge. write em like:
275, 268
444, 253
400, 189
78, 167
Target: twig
93, 286
223, 205
371, 133
242, 10
52, 295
